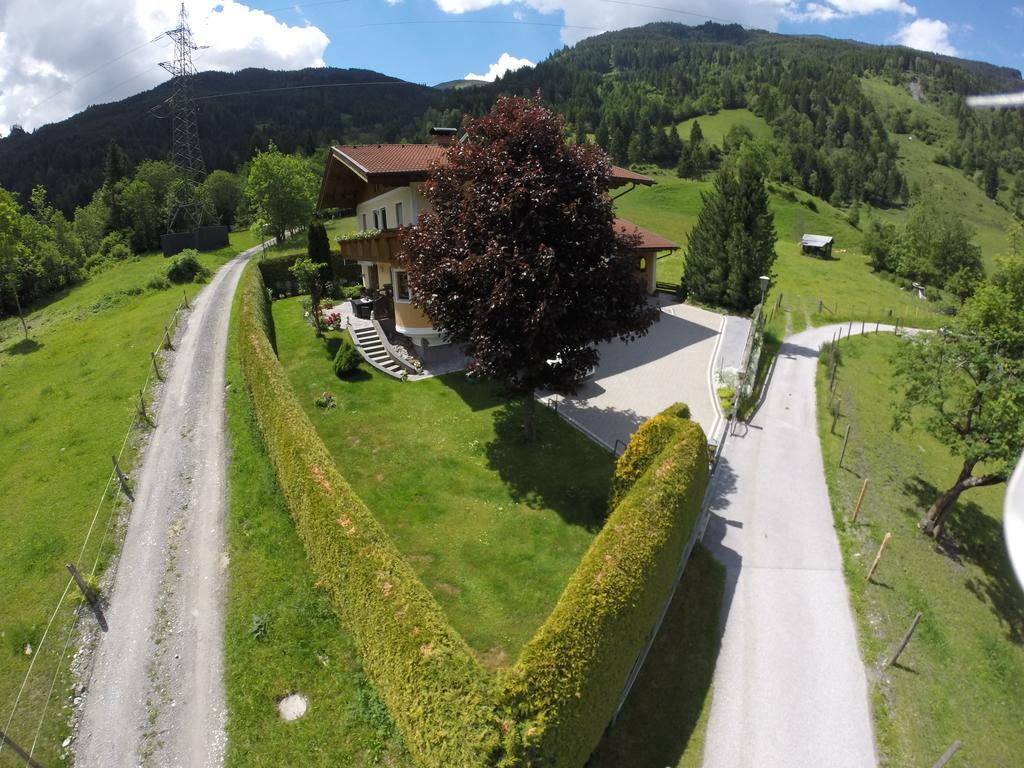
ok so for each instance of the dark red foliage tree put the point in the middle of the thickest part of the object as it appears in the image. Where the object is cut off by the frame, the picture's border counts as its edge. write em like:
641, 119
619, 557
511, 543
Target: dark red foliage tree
518, 260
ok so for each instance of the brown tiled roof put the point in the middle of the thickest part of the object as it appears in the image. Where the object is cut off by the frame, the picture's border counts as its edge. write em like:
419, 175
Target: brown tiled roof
620, 176
409, 159
406, 159
648, 240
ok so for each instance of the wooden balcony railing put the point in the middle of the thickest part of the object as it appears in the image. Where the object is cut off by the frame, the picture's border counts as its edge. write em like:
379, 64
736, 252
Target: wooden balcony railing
383, 247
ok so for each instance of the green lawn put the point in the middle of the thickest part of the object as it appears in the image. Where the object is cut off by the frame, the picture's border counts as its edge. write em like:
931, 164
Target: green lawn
492, 525
302, 646
665, 717
69, 396
714, 127
962, 675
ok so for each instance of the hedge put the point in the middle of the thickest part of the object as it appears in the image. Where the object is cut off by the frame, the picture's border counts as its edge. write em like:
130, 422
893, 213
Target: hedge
441, 698
551, 707
564, 687
277, 277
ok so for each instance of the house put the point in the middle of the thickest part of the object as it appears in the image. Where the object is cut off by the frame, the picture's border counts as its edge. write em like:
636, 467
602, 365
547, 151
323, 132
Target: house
381, 183
818, 245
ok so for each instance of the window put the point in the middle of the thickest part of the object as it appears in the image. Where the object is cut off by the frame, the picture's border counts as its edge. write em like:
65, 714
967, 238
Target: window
642, 264
364, 222
398, 214
383, 218
376, 219
401, 285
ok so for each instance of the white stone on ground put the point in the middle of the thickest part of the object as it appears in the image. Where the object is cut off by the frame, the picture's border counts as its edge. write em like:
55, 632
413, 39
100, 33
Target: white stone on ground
292, 707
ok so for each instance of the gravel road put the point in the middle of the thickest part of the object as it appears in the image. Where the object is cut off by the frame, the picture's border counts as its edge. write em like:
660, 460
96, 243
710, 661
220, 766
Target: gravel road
155, 696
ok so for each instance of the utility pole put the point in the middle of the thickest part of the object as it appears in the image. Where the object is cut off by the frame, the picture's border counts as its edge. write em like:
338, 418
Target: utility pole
187, 209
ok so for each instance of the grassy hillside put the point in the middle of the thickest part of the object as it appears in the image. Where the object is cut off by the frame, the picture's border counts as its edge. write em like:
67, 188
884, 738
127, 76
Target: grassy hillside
845, 286
714, 127
957, 194
962, 674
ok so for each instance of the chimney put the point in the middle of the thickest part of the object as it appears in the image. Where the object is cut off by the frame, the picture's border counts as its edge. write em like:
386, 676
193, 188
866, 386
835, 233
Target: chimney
443, 137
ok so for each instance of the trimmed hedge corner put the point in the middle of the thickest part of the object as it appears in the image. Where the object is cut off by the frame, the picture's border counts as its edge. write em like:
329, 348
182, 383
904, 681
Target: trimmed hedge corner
438, 694
567, 681
550, 709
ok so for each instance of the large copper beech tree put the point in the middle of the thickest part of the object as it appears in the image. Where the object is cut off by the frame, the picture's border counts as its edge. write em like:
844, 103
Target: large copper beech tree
519, 260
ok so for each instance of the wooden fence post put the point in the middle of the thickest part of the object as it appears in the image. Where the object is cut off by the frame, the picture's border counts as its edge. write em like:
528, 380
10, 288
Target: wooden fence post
185, 294
947, 755
878, 557
5, 739
156, 367
122, 479
846, 439
142, 410
90, 598
860, 498
906, 639
167, 339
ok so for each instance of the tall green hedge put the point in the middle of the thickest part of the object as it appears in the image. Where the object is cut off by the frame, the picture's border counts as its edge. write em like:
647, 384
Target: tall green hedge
564, 687
439, 696
551, 707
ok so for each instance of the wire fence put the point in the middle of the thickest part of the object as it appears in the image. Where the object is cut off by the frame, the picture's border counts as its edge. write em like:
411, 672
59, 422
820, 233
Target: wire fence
817, 310
43, 675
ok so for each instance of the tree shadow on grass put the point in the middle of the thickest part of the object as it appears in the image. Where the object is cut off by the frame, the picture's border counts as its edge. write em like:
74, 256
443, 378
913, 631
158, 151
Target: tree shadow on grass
662, 719
561, 471
23, 347
974, 537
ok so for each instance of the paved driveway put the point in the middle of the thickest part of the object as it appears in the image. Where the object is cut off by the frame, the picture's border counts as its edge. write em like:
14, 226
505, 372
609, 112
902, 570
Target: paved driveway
672, 363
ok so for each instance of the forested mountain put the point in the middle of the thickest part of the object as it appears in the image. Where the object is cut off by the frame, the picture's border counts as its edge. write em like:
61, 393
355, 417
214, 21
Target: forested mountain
628, 89
299, 110
631, 88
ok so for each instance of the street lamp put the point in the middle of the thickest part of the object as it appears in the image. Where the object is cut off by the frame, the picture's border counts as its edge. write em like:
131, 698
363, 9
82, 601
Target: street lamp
764, 286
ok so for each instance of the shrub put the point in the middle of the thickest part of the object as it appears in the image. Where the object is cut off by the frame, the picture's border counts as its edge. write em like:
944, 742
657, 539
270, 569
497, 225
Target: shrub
158, 283
440, 697
564, 688
186, 268
347, 359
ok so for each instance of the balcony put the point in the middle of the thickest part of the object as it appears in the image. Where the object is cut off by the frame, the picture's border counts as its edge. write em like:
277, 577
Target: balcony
381, 247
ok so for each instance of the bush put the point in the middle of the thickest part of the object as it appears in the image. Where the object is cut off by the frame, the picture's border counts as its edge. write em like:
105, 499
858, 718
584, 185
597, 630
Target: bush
567, 682
186, 268
440, 697
682, 292
158, 283
347, 359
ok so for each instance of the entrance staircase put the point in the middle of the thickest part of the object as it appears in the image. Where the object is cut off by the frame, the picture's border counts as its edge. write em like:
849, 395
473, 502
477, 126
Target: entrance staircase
373, 349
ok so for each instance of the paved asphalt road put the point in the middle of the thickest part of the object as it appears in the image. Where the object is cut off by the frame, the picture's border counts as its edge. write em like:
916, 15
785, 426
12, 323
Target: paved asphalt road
790, 689
156, 693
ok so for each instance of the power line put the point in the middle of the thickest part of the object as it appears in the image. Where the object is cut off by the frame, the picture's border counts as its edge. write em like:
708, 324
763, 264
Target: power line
671, 10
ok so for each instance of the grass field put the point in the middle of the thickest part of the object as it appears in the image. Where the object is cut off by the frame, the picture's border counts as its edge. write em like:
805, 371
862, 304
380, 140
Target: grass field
665, 717
69, 396
962, 675
282, 635
493, 526
714, 127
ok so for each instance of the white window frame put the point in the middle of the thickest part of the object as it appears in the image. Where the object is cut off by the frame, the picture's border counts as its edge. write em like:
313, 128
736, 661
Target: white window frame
363, 221
394, 287
398, 215
383, 218
376, 219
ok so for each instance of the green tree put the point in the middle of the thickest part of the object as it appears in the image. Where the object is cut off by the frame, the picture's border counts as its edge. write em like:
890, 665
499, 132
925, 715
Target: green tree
11, 267
309, 276
225, 191
991, 178
91, 222
696, 134
142, 215
518, 259
281, 189
318, 247
159, 175
733, 242
965, 385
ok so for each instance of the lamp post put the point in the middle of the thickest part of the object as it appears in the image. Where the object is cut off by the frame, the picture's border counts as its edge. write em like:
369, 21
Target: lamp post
765, 280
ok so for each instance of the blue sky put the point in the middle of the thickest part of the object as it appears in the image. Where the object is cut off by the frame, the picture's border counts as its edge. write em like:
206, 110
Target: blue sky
57, 58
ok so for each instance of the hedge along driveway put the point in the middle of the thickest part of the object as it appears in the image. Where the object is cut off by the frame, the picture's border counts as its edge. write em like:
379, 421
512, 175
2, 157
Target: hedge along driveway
551, 708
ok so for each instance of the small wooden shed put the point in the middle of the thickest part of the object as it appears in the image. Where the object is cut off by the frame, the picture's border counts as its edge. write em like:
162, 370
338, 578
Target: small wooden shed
819, 245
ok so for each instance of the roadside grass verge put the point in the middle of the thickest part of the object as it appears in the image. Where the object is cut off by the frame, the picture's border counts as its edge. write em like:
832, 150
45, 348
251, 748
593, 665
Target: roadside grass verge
665, 717
962, 674
282, 634
492, 525
69, 396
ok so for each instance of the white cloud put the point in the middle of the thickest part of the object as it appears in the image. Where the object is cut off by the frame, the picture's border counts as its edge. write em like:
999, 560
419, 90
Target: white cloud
1017, 10
505, 63
845, 9
55, 48
584, 18
927, 35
